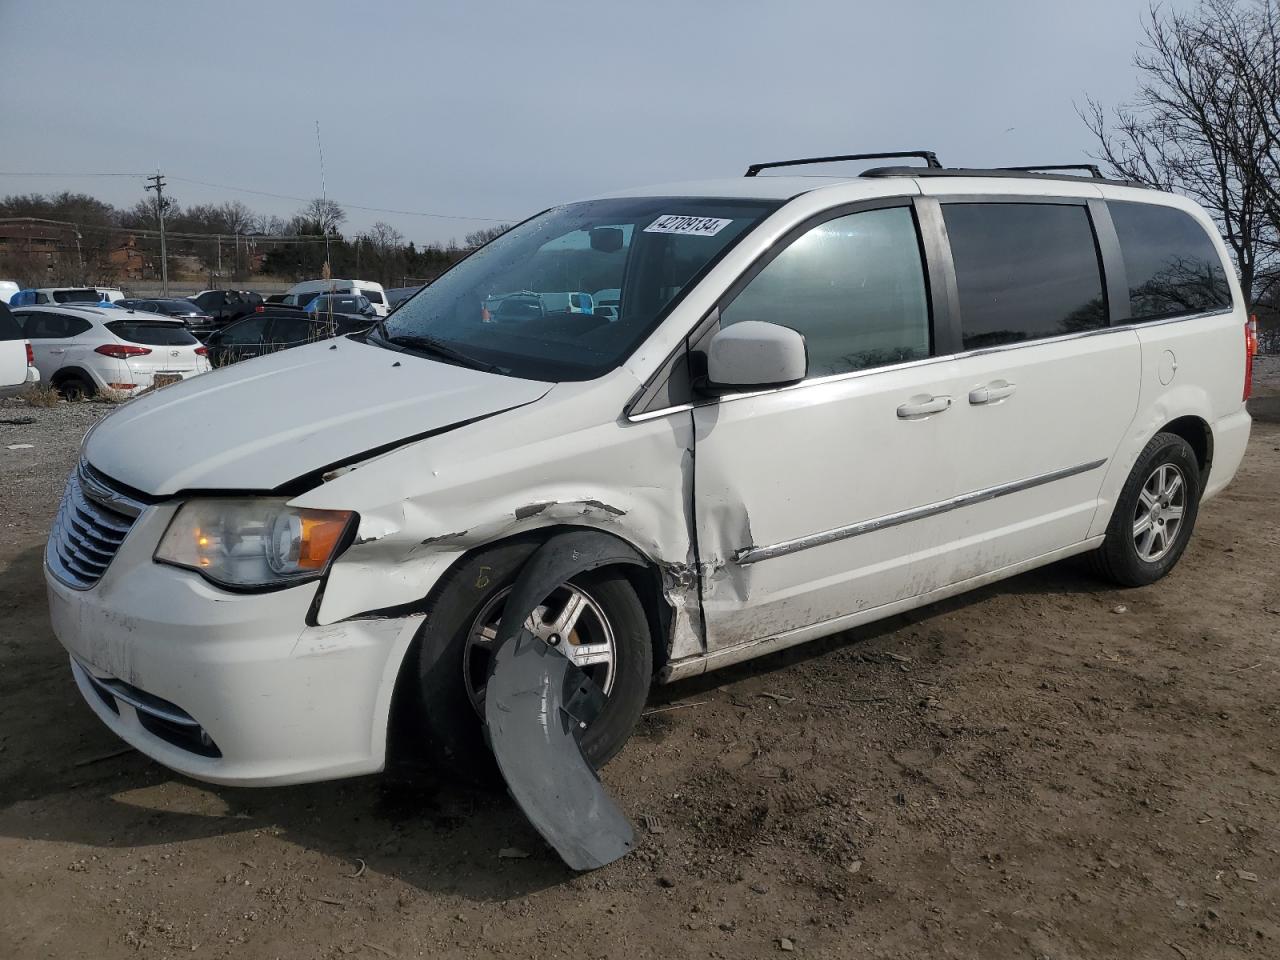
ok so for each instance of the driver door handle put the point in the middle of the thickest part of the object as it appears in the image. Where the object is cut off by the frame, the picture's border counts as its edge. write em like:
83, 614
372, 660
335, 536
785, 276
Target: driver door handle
922, 405
994, 391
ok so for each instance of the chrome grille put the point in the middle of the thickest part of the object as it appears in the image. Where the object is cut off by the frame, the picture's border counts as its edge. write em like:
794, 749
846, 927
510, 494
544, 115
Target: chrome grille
92, 522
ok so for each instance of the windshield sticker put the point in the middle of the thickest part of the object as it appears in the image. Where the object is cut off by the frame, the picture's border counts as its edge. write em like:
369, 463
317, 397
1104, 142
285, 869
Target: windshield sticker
689, 226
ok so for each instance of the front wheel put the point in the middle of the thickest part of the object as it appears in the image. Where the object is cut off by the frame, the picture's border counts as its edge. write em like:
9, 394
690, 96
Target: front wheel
1154, 515
595, 619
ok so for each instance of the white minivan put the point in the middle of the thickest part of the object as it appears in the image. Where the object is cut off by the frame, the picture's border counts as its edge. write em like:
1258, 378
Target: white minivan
817, 402
300, 294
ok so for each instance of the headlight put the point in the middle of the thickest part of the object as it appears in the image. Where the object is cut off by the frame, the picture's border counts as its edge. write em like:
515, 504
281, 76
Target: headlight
252, 543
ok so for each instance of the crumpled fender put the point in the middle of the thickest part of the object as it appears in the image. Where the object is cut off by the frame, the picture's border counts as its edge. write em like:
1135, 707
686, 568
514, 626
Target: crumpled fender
537, 701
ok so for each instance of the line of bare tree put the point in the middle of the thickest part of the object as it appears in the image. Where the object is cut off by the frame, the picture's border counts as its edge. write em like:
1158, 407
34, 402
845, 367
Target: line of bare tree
1205, 122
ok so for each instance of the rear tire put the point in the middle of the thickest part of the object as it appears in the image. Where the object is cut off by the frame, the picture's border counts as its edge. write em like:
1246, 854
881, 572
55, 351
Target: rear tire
455, 732
76, 387
1154, 514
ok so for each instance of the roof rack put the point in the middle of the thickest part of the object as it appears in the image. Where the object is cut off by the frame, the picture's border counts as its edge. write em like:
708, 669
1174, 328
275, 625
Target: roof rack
1042, 167
928, 156
1034, 173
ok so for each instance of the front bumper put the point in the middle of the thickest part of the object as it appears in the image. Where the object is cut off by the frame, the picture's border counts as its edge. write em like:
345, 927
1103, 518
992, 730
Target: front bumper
277, 701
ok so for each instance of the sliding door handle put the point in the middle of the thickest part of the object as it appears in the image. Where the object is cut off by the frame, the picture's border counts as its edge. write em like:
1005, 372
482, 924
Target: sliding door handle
922, 405
994, 391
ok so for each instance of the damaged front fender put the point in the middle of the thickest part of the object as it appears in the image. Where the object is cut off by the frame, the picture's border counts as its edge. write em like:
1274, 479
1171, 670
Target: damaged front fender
537, 703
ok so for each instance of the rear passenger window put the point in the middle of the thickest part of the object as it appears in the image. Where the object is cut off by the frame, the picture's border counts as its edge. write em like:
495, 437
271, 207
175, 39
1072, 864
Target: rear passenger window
1024, 271
1172, 266
52, 326
855, 288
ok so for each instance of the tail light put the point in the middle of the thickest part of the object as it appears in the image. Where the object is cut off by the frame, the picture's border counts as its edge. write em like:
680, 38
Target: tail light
202, 351
1250, 348
259, 309
31, 355
122, 351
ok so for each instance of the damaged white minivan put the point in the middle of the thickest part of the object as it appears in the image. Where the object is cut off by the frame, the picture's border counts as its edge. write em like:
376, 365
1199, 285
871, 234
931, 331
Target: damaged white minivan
806, 404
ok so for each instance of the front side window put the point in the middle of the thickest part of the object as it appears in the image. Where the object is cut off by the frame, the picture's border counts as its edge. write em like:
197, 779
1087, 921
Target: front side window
1024, 271
1172, 266
526, 303
853, 286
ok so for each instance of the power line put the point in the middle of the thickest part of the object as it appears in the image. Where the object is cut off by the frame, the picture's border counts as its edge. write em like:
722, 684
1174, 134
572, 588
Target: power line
277, 196
352, 206
70, 176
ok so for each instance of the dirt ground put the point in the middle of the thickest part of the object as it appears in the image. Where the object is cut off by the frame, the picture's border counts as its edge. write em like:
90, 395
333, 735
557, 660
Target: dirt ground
1047, 767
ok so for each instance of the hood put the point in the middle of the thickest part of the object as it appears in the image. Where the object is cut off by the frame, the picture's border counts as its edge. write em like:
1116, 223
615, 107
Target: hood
259, 424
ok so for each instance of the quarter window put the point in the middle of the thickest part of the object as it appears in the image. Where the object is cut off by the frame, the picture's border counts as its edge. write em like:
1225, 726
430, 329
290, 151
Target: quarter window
1024, 271
1172, 266
855, 288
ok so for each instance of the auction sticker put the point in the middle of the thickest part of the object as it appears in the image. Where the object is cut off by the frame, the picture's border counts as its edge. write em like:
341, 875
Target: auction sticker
689, 226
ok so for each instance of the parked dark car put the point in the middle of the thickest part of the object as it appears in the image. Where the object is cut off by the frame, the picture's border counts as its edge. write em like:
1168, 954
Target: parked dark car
274, 330
226, 306
197, 321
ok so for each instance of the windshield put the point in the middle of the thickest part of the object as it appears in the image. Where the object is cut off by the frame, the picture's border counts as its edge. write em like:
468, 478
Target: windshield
571, 293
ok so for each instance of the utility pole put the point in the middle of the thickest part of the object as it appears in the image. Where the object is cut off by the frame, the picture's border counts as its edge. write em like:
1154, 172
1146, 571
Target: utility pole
157, 184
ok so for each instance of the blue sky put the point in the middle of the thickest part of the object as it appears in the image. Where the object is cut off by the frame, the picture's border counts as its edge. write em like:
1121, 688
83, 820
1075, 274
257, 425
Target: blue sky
496, 110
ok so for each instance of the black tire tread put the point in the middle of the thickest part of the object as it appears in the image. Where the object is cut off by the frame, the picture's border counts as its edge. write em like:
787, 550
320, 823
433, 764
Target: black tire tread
1115, 560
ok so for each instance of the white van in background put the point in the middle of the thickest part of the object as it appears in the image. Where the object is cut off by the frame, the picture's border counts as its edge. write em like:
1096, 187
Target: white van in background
300, 294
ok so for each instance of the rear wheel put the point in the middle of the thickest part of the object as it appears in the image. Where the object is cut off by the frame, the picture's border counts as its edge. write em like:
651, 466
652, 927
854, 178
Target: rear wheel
595, 619
1154, 515
76, 387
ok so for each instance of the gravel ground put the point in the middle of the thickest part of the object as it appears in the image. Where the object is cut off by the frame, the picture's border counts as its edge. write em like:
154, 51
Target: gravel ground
1047, 767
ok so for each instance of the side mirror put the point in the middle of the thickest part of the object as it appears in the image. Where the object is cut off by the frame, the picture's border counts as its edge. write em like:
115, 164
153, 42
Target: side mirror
753, 355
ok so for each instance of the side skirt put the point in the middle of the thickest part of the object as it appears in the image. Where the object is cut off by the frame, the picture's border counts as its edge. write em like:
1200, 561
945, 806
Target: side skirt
694, 666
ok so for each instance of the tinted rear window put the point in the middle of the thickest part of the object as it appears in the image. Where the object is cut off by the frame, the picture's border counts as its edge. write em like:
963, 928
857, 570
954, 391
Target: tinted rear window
1024, 271
9, 329
152, 334
77, 296
1172, 266
374, 296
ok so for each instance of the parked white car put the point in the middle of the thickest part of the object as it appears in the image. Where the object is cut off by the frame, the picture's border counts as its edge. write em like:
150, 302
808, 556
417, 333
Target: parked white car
17, 363
300, 294
84, 350
820, 402
41, 296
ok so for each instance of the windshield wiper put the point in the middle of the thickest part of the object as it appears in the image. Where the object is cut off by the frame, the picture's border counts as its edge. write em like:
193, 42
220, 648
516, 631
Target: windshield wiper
438, 348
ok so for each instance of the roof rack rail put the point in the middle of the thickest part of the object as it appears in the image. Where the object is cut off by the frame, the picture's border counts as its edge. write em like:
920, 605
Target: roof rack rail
1036, 173
928, 156
1041, 167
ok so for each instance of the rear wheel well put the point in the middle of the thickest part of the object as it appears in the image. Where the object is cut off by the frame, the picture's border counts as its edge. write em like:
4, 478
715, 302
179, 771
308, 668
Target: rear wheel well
1198, 435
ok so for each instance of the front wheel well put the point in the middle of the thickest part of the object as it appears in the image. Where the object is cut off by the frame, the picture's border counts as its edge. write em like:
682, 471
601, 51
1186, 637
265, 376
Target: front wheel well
406, 713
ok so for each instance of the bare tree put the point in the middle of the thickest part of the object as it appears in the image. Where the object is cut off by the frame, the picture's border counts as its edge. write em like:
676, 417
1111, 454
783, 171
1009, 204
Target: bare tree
478, 238
327, 215
384, 237
1204, 121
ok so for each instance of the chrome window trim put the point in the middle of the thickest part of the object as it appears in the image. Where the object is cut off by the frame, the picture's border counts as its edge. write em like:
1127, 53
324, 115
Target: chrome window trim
924, 361
754, 554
